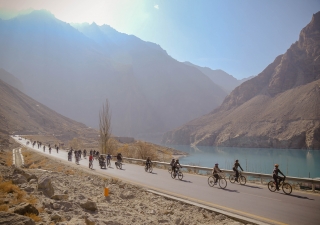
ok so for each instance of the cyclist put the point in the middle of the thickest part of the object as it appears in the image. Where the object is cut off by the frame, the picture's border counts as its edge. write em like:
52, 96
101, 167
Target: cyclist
108, 158
90, 159
276, 177
215, 172
70, 156
119, 157
102, 160
84, 153
148, 162
235, 168
44, 148
172, 164
50, 150
176, 166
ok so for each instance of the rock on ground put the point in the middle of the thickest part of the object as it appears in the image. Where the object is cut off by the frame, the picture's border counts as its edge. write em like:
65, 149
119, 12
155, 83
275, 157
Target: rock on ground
12, 218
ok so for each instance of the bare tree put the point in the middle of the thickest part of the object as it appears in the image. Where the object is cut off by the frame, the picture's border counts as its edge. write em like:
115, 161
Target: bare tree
105, 127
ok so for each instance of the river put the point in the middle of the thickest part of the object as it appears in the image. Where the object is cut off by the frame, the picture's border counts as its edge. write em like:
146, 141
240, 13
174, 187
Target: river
292, 162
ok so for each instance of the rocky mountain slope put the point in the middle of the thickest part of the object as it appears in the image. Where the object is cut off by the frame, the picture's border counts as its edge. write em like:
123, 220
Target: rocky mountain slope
73, 70
21, 114
279, 108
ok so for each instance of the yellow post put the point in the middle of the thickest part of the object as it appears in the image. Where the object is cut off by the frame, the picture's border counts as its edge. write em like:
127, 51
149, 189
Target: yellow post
106, 192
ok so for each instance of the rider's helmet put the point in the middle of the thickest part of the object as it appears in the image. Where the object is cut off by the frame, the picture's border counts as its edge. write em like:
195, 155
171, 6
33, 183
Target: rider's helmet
276, 165
177, 160
237, 160
216, 164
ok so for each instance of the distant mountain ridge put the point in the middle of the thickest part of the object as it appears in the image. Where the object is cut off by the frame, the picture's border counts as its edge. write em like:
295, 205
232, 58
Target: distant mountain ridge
220, 77
74, 70
279, 108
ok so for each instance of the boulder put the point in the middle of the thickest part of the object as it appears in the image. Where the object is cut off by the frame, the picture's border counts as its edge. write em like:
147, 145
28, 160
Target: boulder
55, 206
19, 179
24, 208
60, 197
45, 185
89, 220
12, 218
89, 205
127, 195
55, 217
28, 189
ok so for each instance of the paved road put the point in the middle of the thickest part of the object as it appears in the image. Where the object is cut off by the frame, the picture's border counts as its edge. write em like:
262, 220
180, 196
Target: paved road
251, 200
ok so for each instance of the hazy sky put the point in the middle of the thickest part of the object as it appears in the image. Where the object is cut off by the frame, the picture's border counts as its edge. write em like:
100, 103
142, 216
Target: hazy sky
240, 37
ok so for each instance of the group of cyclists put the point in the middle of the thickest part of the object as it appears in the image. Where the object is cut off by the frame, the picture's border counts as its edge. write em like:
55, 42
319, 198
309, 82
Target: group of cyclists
104, 161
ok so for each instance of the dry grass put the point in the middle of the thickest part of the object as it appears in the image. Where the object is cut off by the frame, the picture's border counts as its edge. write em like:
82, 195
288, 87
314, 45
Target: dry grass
33, 216
69, 172
8, 158
32, 200
8, 187
4, 208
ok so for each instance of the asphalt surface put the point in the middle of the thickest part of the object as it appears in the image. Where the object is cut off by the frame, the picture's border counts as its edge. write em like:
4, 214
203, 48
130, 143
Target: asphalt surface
250, 200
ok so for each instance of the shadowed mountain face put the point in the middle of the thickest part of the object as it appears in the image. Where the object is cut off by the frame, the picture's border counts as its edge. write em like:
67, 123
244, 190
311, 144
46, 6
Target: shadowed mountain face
21, 114
279, 108
74, 69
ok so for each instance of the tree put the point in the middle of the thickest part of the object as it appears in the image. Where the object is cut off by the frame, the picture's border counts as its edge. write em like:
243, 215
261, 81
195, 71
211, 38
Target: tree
105, 127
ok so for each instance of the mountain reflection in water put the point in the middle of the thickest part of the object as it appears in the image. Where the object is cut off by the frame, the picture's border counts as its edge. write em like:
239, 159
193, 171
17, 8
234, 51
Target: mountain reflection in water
293, 162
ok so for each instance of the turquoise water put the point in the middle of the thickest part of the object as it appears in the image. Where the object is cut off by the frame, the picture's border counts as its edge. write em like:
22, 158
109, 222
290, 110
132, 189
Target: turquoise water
293, 162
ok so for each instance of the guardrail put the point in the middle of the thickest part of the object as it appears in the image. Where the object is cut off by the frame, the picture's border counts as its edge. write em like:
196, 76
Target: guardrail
311, 181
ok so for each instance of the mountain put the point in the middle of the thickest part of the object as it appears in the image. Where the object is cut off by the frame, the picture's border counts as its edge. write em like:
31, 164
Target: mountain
23, 115
73, 69
279, 108
220, 77
11, 79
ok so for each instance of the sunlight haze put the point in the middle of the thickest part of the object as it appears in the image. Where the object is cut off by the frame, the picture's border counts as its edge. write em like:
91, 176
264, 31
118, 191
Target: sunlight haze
227, 35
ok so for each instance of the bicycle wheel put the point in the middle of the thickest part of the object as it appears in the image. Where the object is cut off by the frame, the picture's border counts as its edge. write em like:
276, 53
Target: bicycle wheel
286, 188
211, 181
146, 168
232, 178
272, 186
180, 175
222, 183
120, 166
242, 180
173, 175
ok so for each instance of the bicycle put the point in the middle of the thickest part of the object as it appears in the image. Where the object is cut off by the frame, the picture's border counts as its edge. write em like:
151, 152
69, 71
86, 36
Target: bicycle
286, 187
177, 172
91, 164
222, 180
241, 179
148, 168
118, 165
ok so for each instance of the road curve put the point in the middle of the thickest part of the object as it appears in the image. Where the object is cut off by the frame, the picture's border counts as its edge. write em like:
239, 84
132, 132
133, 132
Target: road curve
253, 201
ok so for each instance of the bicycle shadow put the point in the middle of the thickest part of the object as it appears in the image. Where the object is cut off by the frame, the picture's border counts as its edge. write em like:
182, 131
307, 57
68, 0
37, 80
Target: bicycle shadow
298, 196
256, 187
186, 181
229, 190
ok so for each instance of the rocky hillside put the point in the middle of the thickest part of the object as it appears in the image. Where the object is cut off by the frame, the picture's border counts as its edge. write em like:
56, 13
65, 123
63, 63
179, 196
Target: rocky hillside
279, 108
22, 114
74, 69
